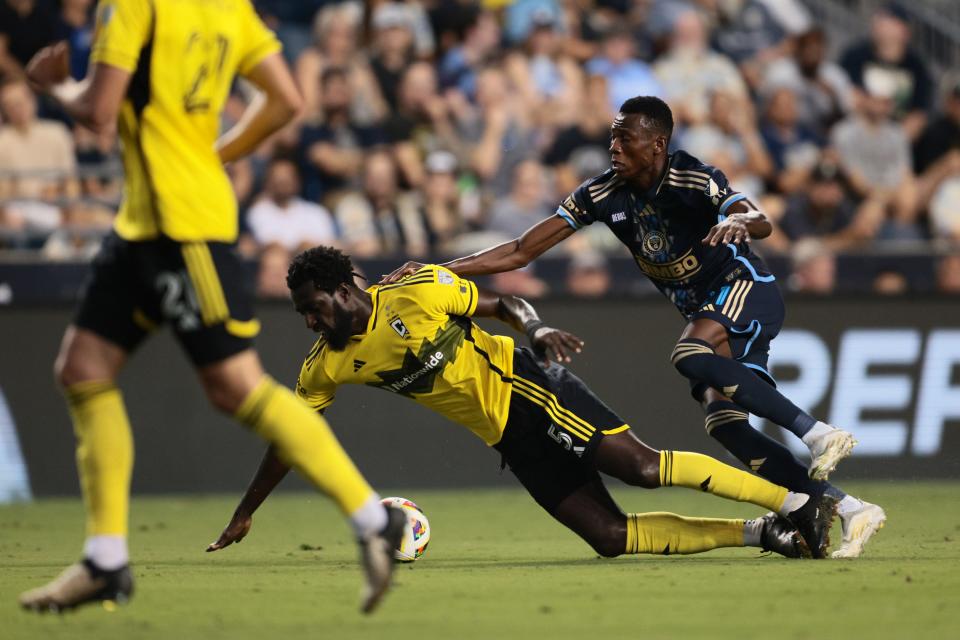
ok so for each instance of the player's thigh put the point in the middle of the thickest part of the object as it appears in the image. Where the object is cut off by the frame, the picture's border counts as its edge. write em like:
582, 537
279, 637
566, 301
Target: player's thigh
204, 290
113, 316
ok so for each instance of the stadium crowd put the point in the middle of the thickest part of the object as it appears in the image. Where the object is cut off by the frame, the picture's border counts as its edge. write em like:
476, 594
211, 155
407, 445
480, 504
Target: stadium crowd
439, 128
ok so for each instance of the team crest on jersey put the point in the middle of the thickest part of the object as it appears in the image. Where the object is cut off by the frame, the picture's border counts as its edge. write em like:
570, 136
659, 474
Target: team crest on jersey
397, 325
654, 242
444, 278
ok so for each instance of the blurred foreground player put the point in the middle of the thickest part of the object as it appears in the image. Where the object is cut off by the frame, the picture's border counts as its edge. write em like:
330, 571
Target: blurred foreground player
689, 233
161, 72
415, 338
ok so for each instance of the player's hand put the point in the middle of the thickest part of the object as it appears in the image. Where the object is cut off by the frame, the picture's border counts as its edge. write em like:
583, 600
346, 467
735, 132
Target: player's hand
733, 229
556, 344
48, 67
405, 270
234, 532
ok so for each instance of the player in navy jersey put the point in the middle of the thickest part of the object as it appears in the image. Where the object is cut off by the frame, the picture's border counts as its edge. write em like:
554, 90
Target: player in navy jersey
690, 233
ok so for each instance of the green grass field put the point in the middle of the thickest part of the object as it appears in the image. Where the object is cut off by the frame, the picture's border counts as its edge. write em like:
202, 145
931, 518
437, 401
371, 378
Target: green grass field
497, 567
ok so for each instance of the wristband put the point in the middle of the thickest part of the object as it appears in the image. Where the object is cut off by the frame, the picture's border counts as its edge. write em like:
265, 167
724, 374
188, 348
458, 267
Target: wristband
531, 328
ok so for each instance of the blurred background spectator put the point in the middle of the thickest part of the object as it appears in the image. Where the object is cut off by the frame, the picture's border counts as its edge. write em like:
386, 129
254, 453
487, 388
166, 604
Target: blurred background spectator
435, 129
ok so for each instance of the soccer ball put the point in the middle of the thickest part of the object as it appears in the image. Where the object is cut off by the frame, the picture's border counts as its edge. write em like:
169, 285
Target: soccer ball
416, 535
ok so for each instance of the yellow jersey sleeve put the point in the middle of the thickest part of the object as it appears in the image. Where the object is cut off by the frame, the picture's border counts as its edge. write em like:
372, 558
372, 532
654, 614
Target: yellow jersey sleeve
444, 292
122, 29
313, 386
257, 42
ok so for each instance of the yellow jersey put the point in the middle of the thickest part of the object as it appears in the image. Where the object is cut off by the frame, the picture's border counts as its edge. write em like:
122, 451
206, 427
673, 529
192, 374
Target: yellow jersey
421, 343
183, 56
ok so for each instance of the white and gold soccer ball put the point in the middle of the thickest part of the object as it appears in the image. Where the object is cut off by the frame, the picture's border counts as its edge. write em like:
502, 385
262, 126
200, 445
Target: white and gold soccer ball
416, 535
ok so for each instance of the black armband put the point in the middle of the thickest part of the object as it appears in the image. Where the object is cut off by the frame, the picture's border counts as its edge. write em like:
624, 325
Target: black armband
532, 326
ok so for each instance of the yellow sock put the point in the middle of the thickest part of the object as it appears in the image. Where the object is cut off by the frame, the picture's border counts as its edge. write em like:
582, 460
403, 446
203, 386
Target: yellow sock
697, 471
104, 454
304, 441
668, 533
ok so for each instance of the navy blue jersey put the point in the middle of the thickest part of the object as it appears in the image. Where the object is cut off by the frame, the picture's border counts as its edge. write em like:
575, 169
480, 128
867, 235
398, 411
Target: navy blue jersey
664, 227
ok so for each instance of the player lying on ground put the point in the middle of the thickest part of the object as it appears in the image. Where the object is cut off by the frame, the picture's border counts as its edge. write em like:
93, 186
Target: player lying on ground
415, 338
164, 70
690, 233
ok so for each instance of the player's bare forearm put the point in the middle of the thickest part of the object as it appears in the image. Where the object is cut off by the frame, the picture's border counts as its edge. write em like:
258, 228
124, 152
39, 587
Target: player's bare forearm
268, 476
520, 314
743, 223
93, 102
279, 103
515, 254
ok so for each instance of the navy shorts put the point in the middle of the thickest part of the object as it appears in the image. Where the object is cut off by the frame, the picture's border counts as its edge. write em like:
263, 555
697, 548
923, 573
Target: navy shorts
753, 313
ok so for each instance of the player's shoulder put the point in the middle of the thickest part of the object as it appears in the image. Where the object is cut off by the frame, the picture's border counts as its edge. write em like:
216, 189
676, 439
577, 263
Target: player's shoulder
689, 175
427, 274
598, 188
313, 357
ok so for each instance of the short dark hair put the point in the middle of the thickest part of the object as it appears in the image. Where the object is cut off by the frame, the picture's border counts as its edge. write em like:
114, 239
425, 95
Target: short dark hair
656, 113
327, 268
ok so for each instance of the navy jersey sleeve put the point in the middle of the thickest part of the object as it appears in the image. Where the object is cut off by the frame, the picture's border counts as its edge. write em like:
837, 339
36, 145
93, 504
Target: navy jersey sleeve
577, 209
707, 185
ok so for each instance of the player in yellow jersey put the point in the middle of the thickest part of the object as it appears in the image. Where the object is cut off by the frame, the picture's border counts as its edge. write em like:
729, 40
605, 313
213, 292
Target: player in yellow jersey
161, 71
415, 338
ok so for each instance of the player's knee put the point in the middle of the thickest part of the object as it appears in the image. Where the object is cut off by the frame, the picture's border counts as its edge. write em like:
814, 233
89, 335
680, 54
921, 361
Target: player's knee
610, 541
644, 470
687, 356
69, 370
228, 382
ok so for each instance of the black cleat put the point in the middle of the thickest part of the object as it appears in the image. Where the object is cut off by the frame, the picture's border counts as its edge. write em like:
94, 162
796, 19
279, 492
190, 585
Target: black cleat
780, 536
377, 555
79, 584
813, 520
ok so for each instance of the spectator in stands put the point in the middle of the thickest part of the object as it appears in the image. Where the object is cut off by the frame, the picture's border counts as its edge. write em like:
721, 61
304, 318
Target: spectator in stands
874, 154
890, 282
823, 90
887, 58
754, 33
825, 211
80, 234
626, 75
392, 48
730, 141
422, 123
380, 220
948, 274
280, 216
589, 136
528, 202
498, 131
332, 152
941, 135
76, 27
587, 275
337, 36
939, 193
460, 66
690, 72
37, 162
272, 272
794, 149
26, 26
550, 80
440, 204
814, 268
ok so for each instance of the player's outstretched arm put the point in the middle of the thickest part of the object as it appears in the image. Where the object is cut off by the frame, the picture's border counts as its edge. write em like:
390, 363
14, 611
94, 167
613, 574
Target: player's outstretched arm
268, 476
508, 256
520, 314
94, 102
279, 103
744, 222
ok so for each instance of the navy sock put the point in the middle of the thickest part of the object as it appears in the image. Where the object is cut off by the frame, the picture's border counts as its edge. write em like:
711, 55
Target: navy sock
696, 360
727, 424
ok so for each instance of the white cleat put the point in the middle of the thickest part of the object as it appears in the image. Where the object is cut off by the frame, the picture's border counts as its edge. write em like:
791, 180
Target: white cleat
858, 527
828, 450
